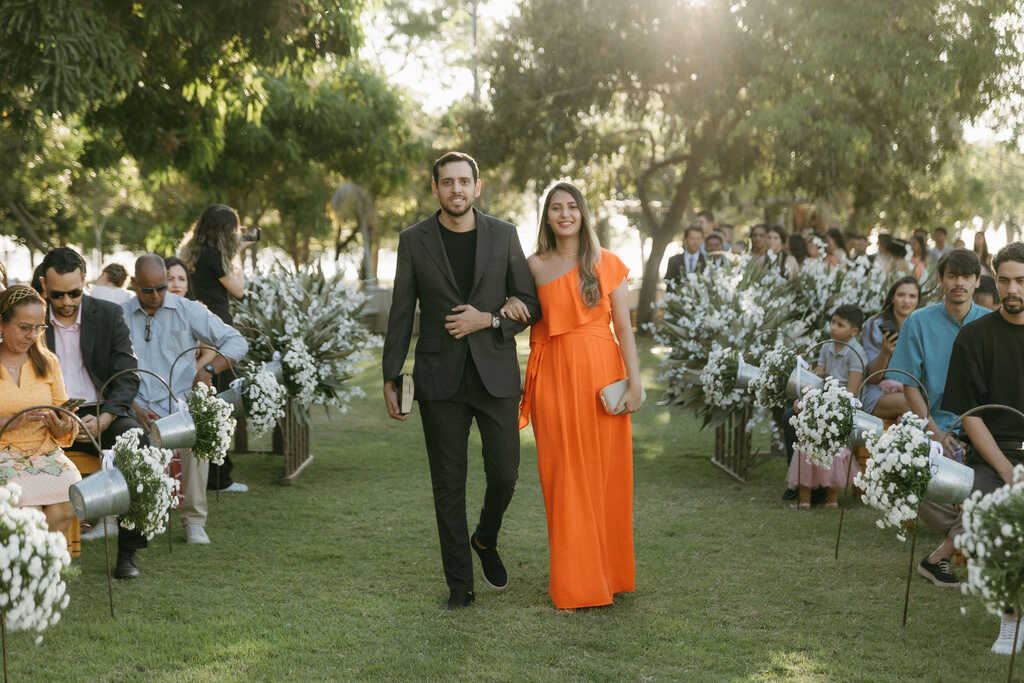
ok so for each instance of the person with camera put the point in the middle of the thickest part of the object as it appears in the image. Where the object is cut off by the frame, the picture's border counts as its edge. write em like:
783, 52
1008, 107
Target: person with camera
884, 397
210, 249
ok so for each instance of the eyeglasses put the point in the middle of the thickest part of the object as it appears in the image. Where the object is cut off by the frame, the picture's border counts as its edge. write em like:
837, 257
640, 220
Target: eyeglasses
54, 295
152, 290
149, 321
33, 330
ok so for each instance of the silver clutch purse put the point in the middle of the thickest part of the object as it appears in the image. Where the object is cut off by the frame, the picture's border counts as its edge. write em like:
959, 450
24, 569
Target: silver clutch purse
613, 393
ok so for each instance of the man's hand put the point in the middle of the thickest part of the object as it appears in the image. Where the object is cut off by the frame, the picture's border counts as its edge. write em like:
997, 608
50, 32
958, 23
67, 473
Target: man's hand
466, 320
145, 418
94, 426
391, 401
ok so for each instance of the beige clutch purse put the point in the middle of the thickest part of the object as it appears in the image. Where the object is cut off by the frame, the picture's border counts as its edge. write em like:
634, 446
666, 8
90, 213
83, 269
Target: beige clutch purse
613, 393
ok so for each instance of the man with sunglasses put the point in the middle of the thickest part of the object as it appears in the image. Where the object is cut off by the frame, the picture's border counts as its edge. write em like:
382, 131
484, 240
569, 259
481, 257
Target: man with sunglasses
92, 343
163, 326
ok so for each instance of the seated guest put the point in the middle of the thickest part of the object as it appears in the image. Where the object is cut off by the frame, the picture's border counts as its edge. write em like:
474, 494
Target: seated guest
30, 450
798, 248
162, 326
985, 368
758, 242
918, 255
883, 397
714, 245
835, 247
777, 258
728, 233
110, 285
987, 294
691, 260
90, 339
939, 236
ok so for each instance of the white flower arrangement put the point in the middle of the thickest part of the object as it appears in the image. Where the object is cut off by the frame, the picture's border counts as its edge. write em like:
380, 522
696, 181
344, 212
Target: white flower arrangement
312, 321
993, 543
825, 421
769, 387
718, 379
820, 288
264, 400
215, 426
896, 476
153, 490
32, 559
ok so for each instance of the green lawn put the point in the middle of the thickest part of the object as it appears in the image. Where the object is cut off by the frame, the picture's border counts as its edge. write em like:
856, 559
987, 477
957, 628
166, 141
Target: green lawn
339, 577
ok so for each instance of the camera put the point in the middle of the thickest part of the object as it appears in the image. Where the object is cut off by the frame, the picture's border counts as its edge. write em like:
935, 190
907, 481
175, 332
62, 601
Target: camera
251, 235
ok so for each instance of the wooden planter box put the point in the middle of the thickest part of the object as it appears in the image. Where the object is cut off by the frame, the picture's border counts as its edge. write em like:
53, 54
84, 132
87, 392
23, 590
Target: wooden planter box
733, 445
290, 439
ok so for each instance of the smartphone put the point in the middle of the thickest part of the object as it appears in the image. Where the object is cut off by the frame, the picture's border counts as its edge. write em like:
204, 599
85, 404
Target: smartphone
888, 327
72, 403
251, 235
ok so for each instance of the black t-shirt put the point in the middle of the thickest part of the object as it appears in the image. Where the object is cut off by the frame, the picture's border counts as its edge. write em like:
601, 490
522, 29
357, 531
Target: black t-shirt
461, 249
206, 284
987, 366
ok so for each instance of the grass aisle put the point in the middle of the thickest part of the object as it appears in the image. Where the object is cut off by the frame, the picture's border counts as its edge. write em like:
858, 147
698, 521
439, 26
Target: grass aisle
339, 577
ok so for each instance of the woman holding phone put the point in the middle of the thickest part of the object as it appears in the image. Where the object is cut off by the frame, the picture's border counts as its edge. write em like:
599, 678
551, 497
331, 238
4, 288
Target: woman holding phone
30, 449
882, 397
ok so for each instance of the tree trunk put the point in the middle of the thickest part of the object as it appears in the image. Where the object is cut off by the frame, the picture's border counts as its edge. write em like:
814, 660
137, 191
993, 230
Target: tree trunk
652, 275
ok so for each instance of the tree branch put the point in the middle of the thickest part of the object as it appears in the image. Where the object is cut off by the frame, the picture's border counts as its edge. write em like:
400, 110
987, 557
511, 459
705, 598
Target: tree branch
25, 223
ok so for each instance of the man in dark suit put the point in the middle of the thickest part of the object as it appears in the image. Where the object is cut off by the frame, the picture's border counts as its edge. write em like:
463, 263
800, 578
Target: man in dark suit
461, 265
691, 260
91, 341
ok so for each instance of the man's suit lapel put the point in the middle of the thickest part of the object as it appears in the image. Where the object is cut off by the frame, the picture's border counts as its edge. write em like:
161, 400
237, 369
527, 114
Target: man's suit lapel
483, 249
435, 248
87, 335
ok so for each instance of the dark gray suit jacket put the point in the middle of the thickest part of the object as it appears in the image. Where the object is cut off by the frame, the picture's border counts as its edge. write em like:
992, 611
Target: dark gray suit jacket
425, 275
106, 349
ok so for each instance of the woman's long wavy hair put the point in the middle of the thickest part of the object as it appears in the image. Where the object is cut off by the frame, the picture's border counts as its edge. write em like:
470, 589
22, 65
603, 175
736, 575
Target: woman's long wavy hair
589, 248
887, 312
10, 301
217, 227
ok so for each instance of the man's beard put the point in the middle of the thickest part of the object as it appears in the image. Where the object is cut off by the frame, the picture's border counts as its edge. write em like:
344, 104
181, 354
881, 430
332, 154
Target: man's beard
1013, 305
457, 214
66, 311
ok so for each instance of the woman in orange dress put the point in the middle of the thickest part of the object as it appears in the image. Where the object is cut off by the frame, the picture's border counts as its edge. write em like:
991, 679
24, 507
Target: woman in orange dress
30, 449
584, 454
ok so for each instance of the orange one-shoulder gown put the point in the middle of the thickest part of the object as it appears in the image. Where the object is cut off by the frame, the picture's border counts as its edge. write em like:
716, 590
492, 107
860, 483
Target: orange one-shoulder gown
584, 455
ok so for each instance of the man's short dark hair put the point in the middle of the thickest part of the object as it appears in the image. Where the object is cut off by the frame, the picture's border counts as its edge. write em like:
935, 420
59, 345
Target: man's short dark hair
1014, 251
939, 230
692, 228
715, 236
452, 157
63, 260
116, 273
705, 213
759, 226
851, 314
959, 262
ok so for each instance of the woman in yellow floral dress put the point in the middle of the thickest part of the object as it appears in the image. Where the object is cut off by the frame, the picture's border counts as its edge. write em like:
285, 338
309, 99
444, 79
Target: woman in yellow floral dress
30, 448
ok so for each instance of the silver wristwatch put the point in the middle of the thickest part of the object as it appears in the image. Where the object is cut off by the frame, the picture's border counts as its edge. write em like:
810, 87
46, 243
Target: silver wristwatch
495, 322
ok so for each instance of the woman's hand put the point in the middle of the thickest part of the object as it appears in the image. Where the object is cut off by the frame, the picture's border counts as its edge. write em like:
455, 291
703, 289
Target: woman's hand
514, 309
631, 400
60, 424
889, 343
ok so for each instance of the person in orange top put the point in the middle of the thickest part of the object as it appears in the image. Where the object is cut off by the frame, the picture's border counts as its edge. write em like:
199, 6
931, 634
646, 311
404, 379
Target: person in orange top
584, 454
30, 447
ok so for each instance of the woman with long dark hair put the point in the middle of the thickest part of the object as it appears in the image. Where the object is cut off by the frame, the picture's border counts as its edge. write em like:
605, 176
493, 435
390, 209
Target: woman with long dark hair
885, 398
584, 452
209, 249
777, 257
981, 249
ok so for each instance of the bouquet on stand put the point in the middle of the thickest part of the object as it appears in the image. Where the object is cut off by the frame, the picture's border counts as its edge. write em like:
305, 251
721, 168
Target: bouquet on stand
769, 387
825, 422
32, 559
264, 397
896, 476
993, 543
153, 491
215, 426
718, 379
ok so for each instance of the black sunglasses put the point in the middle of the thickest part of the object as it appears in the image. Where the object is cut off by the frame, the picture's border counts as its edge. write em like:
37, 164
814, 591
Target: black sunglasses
152, 290
54, 295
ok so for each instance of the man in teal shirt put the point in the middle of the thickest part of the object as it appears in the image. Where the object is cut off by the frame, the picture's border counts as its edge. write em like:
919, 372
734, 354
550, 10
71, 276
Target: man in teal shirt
923, 349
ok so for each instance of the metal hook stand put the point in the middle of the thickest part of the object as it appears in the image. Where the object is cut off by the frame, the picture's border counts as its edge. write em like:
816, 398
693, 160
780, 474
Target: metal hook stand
170, 408
231, 367
96, 445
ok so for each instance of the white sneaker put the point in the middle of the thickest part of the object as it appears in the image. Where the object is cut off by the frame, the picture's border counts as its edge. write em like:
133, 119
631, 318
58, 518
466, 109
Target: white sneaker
195, 533
97, 530
1004, 643
237, 487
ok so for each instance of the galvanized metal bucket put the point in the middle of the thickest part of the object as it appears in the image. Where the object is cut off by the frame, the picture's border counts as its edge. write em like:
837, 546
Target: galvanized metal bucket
233, 397
803, 379
863, 425
177, 430
276, 369
100, 494
745, 374
951, 482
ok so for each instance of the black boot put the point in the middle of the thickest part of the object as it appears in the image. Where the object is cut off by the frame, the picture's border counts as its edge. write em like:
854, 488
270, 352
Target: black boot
126, 568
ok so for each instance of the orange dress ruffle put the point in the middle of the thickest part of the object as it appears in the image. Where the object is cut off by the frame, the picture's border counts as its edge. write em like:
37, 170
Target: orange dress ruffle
584, 455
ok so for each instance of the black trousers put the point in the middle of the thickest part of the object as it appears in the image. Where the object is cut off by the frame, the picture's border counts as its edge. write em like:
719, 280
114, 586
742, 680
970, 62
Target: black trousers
446, 428
220, 475
127, 539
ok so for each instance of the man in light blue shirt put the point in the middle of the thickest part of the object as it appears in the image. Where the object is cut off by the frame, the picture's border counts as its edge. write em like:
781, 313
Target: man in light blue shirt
163, 326
923, 349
